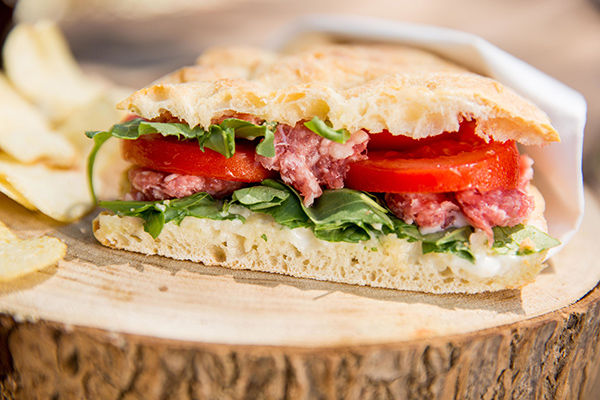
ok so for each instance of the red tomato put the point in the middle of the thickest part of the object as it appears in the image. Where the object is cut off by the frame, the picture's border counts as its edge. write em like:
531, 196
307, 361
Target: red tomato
386, 141
169, 154
444, 165
129, 117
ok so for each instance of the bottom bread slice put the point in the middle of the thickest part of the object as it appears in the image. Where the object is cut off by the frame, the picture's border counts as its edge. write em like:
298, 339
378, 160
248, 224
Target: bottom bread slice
260, 244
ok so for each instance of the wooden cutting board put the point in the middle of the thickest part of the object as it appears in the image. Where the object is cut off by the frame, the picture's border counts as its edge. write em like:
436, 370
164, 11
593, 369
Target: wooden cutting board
109, 324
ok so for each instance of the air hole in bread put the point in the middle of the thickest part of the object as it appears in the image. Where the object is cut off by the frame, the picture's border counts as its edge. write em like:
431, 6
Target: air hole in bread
218, 254
294, 97
136, 237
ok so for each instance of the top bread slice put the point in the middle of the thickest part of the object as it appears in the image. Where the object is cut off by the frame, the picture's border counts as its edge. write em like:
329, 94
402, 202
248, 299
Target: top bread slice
376, 87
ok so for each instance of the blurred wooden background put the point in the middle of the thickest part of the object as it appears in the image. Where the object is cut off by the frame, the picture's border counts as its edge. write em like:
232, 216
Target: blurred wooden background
134, 42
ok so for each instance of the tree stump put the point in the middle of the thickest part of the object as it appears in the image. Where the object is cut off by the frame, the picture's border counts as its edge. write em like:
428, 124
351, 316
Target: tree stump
107, 324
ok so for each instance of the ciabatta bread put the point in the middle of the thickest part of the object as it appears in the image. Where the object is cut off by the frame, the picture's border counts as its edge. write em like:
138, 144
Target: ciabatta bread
406, 91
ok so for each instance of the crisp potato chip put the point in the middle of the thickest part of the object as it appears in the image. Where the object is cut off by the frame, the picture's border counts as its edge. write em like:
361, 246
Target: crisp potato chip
38, 62
99, 114
39, 65
60, 194
11, 192
6, 235
25, 134
22, 257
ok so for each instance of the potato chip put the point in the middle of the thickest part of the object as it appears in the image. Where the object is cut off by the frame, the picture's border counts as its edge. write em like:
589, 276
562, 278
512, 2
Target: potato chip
11, 192
25, 134
38, 62
60, 194
6, 235
22, 257
99, 114
41, 68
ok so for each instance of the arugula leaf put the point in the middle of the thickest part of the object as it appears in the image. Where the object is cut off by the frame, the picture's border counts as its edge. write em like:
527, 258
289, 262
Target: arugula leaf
157, 213
266, 147
454, 241
164, 128
259, 197
406, 231
342, 215
343, 233
335, 207
347, 215
321, 128
99, 139
338, 215
126, 130
275, 199
521, 240
218, 137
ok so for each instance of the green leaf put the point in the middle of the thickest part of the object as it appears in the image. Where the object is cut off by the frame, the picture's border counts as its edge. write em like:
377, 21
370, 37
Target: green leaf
321, 128
155, 221
521, 240
449, 235
406, 231
167, 129
342, 215
158, 213
454, 241
275, 199
338, 215
260, 197
266, 147
336, 208
248, 130
343, 233
219, 139
99, 139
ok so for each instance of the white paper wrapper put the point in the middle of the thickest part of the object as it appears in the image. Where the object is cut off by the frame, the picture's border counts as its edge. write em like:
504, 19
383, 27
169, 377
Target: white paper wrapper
557, 166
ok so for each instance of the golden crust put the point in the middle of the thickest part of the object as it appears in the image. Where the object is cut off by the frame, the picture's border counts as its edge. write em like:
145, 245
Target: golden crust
406, 91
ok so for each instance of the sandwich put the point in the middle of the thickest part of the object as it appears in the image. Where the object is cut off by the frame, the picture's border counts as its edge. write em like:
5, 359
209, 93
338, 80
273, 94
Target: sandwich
377, 165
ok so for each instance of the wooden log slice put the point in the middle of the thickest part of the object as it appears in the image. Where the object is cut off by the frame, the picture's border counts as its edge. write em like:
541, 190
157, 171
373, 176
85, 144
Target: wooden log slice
107, 324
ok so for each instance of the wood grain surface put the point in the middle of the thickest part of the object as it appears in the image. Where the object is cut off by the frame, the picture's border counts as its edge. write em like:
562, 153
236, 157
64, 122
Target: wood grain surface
553, 356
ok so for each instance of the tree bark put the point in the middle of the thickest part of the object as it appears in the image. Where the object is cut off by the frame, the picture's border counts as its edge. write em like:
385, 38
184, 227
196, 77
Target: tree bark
554, 356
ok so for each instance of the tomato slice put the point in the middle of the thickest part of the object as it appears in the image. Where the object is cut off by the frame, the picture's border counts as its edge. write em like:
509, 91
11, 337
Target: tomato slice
386, 141
169, 154
445, 165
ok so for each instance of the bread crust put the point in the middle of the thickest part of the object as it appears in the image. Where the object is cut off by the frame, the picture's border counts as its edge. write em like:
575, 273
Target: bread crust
260, 244
376, 87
